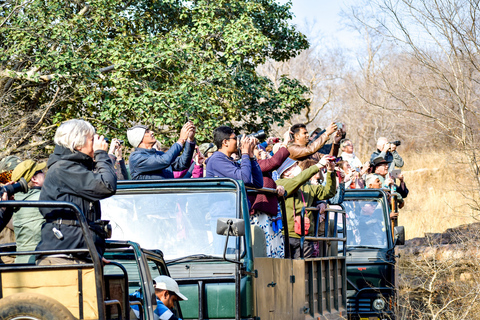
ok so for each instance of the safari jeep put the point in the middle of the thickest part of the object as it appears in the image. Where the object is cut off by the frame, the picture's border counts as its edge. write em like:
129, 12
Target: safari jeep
219, 260
80, 291
371, 262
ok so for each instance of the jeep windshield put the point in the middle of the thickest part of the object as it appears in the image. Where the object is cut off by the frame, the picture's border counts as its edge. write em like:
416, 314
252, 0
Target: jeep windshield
365, 224
179, 224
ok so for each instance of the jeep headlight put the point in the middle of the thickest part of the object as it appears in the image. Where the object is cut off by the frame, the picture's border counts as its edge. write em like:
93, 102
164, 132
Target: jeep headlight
378, 304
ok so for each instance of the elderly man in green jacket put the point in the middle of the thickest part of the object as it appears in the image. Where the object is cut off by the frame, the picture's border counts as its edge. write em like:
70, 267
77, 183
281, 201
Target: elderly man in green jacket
301, 193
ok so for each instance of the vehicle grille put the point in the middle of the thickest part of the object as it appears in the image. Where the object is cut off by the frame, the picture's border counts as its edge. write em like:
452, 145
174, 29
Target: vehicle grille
364, 305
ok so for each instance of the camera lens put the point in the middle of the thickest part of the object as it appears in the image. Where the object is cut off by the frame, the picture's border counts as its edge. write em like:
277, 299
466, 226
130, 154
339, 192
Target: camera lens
20, 186
260, 135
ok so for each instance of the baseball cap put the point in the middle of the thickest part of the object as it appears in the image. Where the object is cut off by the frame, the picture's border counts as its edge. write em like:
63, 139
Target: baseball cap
135, 135
167, 283
27, 169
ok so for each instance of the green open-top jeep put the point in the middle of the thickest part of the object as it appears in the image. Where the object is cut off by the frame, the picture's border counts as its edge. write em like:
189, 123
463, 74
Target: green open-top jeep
219, 259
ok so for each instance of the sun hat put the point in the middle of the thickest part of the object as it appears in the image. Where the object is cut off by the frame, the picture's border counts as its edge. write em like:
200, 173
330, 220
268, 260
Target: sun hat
285, 165
379, 160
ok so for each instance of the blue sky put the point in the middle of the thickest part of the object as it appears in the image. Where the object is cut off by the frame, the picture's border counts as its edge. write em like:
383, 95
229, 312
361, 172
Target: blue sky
328, 22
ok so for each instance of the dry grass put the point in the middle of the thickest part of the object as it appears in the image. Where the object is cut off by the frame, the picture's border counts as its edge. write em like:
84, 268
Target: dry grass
440, 186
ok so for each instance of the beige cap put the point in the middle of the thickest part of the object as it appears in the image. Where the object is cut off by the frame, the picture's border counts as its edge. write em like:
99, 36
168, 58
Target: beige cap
27, 169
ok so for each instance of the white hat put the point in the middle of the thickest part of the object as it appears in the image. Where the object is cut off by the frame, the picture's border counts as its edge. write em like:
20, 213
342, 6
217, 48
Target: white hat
135, 134
167, 283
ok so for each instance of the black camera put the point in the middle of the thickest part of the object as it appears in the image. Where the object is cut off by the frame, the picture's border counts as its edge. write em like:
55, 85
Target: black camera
102, 227
107, 140
397, 143
20, 186
260, 135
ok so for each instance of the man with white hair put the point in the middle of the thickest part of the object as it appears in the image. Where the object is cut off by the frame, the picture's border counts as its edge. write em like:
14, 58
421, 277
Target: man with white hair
348, 155
387, 151
79, 171
146, 163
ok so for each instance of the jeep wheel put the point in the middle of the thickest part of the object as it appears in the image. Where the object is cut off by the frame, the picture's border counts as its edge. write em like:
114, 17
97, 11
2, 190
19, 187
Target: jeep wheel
32, 306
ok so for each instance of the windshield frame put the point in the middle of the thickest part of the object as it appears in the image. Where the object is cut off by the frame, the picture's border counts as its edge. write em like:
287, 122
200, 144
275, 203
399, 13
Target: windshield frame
379, 196
190, 186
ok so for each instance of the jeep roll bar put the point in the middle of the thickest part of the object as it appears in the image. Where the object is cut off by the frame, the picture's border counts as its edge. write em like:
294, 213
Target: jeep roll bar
88, 240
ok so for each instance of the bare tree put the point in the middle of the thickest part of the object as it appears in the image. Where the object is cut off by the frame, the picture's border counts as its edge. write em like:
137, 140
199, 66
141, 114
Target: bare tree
319, 69
431, 78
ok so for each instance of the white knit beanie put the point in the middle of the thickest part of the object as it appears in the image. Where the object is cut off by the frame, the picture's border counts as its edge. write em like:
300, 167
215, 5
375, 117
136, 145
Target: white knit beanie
135, 135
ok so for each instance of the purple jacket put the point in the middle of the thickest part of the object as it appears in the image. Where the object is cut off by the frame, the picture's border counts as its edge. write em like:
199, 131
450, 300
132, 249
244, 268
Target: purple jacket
219, 165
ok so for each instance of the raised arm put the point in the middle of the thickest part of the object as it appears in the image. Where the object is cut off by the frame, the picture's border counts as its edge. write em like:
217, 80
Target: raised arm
274, 162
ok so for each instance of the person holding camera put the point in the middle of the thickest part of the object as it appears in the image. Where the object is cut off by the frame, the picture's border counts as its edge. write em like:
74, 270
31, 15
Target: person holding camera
388, 151
79, 171
221, 163
301, 149
115, 153
28, 221
147, 163
300, 194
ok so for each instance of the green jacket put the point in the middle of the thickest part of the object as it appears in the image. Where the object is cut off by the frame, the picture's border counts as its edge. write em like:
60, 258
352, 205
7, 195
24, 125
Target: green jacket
311, 193
27, 224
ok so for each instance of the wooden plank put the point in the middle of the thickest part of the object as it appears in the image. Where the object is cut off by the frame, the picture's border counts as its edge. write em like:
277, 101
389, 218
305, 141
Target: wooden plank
283, 289
263, 292
299, 302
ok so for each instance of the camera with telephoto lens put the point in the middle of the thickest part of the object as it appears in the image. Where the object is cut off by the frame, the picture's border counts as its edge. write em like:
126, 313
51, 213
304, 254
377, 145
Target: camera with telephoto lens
260, 135
20, 186
397, 143
102, 227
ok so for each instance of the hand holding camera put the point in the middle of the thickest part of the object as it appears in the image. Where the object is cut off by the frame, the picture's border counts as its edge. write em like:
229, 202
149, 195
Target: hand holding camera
391, 146
9, 189
199, 157
245, 144
186, 132
116, 148
326, 161
287, 137
331, 129
191, 132
99, 143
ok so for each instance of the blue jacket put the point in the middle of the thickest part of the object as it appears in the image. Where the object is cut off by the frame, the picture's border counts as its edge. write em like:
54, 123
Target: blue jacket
150, 164
219, 165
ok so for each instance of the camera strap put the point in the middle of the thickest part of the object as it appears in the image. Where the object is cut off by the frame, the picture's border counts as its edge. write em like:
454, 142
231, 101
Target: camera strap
74, 223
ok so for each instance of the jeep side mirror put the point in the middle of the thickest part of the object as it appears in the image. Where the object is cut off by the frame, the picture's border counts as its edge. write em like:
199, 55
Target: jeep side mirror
230, 227
399, 233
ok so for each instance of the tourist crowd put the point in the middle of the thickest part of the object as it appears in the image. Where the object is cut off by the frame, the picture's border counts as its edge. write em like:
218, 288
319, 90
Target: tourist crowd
84, 168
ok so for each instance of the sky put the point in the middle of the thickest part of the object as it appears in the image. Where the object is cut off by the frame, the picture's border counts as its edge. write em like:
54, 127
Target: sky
328, 22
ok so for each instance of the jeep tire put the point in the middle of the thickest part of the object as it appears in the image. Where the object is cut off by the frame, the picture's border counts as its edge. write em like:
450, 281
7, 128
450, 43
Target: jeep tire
29, 305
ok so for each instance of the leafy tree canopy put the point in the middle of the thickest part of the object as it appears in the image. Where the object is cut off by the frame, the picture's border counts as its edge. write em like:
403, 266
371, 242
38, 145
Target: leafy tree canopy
155, 62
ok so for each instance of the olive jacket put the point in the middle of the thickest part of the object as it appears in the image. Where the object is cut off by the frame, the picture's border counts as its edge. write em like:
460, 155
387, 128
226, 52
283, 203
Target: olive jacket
297, 186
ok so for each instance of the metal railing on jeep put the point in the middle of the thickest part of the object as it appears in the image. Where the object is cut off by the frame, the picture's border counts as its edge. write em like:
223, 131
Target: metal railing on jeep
91, 250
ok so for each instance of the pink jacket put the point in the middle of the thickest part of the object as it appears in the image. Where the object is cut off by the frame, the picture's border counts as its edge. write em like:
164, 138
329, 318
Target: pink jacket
196, 173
